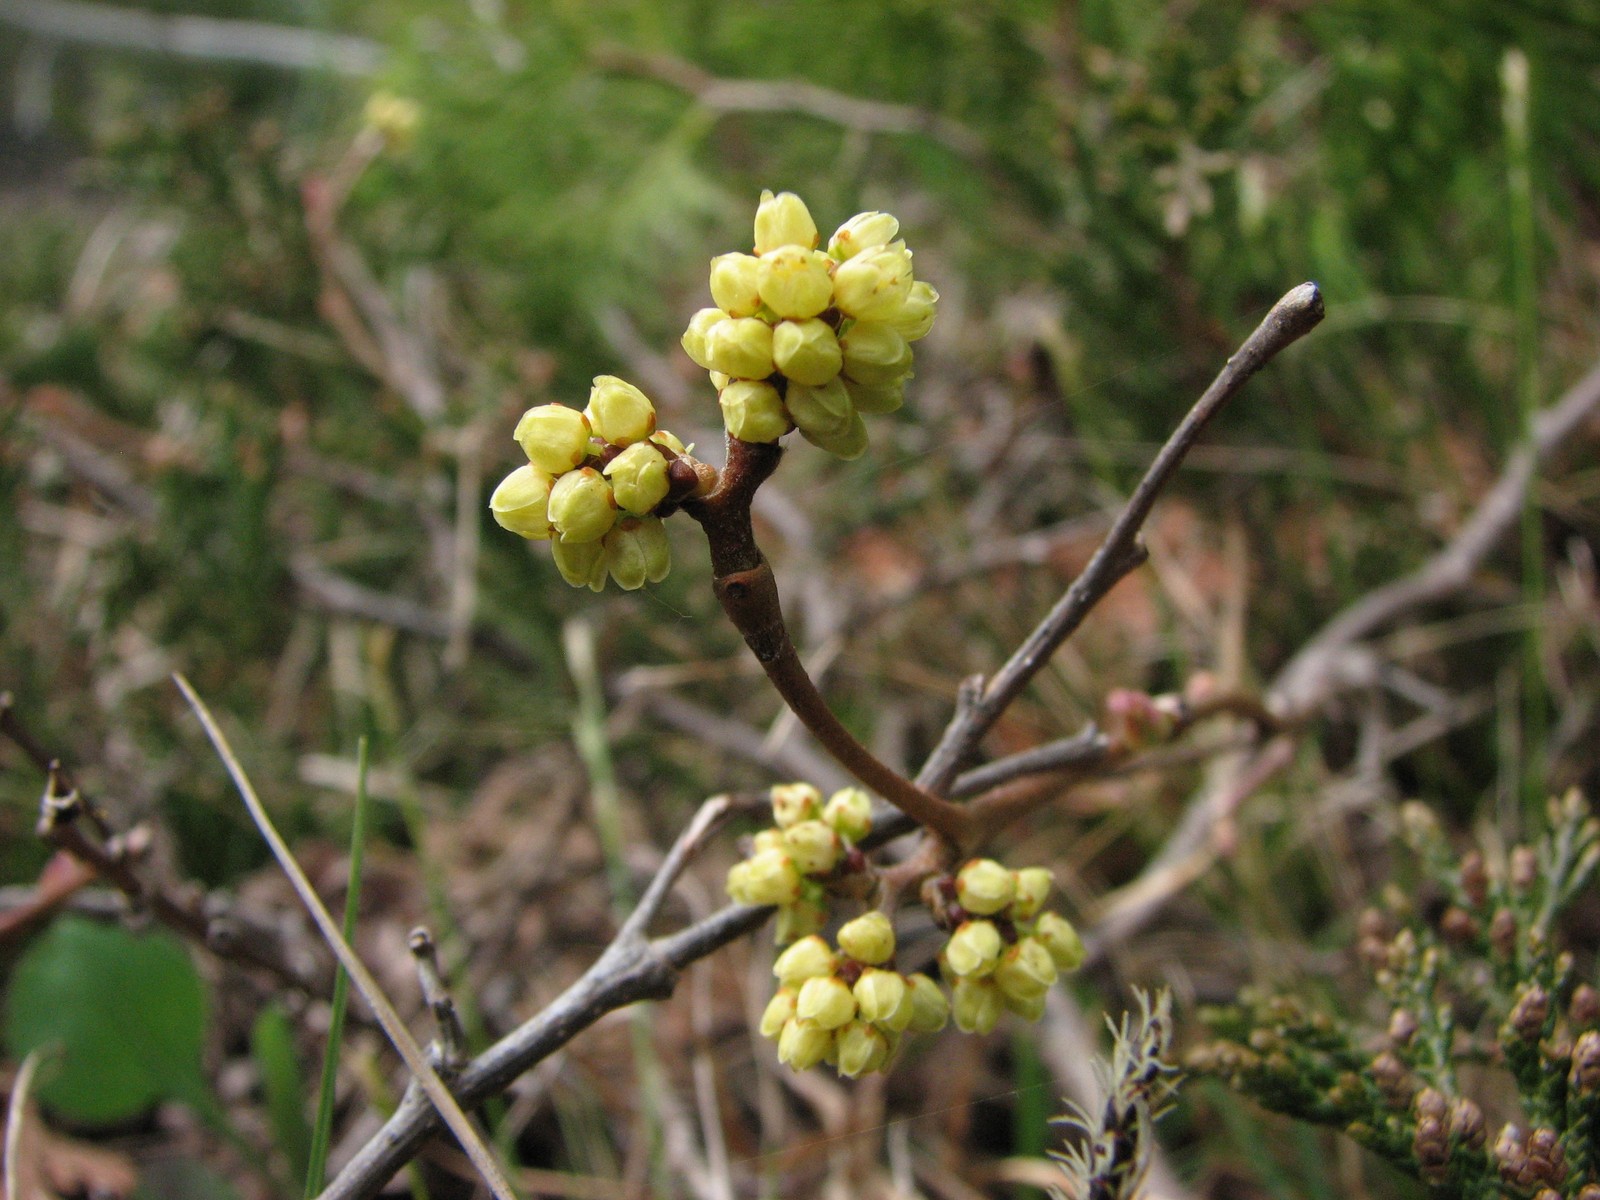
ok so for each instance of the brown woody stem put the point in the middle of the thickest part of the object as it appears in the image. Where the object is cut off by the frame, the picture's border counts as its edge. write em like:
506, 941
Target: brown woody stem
748, 593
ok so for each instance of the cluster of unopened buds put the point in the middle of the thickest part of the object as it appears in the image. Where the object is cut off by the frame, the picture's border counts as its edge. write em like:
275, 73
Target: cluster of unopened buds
846, 1004
800, 338
596, 486
808, 338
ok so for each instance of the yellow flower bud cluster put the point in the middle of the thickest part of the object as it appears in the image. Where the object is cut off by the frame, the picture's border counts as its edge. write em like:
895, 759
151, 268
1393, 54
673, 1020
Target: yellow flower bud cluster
593, 485
1004, 952
810, 841
807, 338
845, 1004
848, 1007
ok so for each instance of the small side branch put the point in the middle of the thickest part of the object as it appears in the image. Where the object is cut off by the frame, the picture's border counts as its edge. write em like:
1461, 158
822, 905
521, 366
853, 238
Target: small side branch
1313, 673
1290, 319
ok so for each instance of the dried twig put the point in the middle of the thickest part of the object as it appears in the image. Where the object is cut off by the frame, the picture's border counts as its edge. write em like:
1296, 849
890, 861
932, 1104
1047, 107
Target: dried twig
790, 96
1290, 319
194, 36
116, 858
1316, 672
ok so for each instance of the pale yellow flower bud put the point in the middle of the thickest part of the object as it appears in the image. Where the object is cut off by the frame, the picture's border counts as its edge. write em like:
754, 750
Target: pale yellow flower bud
807, 351
849, 810
519, 503
1033, 888
874, 353
741, 348
769, 877
1026, 969
875, 399
879, 994
582, 564
914, 318
826, 1001
862, 1048
394, 117
638, 478
806, 916
582, 507
784, 220
619, 412
638, 552
864, 231
1061, 939
820, 410
976, 1005
869, 938
796, 284
849, 443
984, 887
736, 283
874, 285
662, 437
814, 846
554, 437
694, 337
766, 839
929, 1008
778, 1013
792, 802
1029, 1008
753, 411
809, 958
803, 1044
974, 948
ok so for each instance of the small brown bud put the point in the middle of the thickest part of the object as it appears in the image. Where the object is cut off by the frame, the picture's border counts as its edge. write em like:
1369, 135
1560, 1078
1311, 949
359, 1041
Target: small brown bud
1545, 1159
1431, 1145
1503, 933
1524, 869
1430, 1104
1458, 927
1510, 1153
1586, 1062
1390, 1076
1402, 1027
1529, 1013
1584, 1011
1474, 879
1372, 924
1466, 1123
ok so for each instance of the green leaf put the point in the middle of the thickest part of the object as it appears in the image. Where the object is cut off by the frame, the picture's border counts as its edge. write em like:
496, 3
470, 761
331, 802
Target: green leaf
272, 1046
127, 1011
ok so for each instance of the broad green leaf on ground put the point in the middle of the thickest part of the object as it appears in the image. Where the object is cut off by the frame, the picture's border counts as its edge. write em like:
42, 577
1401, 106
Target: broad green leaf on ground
126, 1011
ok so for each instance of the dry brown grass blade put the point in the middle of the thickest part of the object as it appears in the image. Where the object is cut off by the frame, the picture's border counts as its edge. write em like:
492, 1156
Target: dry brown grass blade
415, 1059
16, 1120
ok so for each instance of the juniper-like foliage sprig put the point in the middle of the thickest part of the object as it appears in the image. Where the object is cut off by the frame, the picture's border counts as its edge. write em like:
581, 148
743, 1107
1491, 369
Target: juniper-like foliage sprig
1481, 980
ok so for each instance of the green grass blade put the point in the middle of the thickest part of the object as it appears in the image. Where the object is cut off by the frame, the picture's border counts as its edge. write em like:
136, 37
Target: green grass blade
322, 1130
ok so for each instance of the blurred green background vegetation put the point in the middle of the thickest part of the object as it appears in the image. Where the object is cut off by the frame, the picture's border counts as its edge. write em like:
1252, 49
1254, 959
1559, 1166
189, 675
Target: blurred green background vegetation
260, 367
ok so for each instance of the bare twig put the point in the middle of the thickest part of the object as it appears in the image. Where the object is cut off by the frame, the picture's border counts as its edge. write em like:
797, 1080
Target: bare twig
1314, 673
114, 858
1290, 319
790, 96
399, 1036
452, 1038
193, 36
